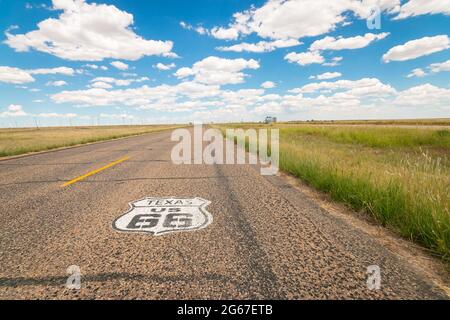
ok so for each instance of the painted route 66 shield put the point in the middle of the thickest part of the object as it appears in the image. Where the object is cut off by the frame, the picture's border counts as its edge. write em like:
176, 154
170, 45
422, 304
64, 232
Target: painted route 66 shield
159, 216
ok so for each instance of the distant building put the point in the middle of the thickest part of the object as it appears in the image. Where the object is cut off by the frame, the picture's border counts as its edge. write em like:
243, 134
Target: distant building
270, 120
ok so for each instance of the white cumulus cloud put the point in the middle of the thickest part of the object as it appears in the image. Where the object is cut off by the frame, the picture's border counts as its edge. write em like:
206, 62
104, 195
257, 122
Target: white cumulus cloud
58, 83
164, 67
261, 46
342, 98
120, 65
362, 87
417, 48
101, 85
418, 72
419, 7
13, 110
268, 85
14, 75
19, 76
424, 95
60, 70
327, 75
295, 19
107, 82
218, 71
439, 67
225, 33
96, 67
89, 32
305, 58
340, 43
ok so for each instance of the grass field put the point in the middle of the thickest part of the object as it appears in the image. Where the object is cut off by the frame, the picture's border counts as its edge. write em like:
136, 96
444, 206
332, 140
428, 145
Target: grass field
403, 122
400, 176
20, 141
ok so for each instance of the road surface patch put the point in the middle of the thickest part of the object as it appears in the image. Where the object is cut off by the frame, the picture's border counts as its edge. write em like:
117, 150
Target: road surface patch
91, 173
159, 216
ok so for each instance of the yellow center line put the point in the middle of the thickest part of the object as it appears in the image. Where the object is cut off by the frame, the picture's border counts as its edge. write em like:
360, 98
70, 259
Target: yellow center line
94, 172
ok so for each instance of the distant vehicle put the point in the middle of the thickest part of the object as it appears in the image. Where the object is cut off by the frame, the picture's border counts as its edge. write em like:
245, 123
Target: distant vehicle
270, 120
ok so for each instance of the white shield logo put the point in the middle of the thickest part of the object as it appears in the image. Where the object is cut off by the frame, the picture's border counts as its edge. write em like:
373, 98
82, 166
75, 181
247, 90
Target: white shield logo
164, 215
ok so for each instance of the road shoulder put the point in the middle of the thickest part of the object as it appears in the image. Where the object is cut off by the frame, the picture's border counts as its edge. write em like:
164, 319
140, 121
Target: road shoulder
416, 257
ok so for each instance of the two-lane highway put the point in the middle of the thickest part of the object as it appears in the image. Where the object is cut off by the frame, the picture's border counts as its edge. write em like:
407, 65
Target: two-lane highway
266, 240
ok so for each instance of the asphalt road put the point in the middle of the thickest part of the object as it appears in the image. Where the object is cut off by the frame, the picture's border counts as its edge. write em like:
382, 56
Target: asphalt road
267, 240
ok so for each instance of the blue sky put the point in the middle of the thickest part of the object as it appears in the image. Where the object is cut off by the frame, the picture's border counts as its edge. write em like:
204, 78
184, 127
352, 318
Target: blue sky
83, 62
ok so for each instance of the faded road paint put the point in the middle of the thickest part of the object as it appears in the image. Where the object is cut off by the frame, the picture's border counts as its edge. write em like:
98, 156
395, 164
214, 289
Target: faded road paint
94, 172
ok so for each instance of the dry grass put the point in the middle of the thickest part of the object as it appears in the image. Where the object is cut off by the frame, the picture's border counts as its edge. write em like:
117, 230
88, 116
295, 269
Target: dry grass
20, 141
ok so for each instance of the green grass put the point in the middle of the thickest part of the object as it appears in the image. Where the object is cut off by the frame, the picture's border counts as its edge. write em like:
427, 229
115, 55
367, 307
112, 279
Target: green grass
399, 176
401, 122
371, 136
381, 137
21, 141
